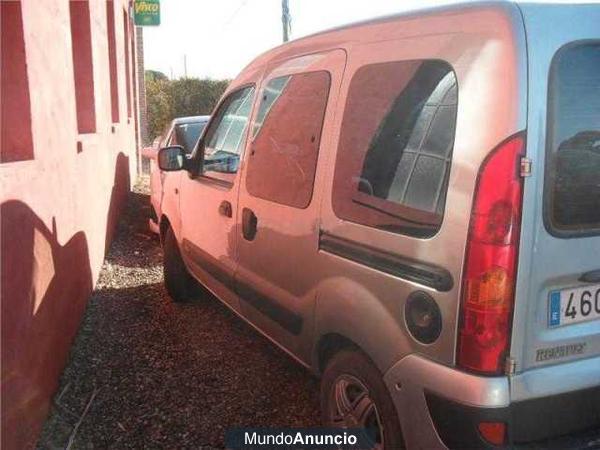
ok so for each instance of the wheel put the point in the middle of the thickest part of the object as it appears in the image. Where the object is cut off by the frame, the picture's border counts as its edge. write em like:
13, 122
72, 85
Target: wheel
353, 395
180, 285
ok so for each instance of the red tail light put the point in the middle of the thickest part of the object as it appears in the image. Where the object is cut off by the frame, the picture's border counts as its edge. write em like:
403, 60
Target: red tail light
491, 261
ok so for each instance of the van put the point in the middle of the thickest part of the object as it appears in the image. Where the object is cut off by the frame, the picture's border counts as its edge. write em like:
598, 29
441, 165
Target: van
410, 207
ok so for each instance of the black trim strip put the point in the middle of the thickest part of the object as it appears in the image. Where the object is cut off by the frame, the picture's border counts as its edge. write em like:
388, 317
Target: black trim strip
289, 320
419, 272
207, 262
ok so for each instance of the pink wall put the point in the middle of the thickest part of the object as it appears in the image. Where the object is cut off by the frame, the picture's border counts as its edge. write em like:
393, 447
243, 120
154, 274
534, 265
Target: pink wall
58, 207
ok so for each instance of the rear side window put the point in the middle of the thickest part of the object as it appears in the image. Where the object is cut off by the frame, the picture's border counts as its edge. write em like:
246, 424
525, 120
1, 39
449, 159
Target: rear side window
573, 145
396, 145
287, 132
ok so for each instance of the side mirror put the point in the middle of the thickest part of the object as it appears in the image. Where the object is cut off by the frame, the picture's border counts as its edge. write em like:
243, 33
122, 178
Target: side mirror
171, 159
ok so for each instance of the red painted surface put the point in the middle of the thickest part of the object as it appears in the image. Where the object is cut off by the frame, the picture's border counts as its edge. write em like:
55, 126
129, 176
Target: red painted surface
83, 68
60, 195
112, 59
127, 72
16, 115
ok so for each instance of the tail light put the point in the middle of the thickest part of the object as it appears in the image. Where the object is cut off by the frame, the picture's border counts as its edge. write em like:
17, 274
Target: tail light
491, 261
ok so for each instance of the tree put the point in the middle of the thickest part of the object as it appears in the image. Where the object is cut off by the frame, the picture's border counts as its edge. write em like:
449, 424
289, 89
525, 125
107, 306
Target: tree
167, 99
159, 106
154, 75
193, 97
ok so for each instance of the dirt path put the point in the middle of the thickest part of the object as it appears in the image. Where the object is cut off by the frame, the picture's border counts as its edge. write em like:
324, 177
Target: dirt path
166, 375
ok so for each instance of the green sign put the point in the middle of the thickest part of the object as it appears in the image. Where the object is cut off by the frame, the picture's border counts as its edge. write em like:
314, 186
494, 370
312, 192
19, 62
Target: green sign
146, 12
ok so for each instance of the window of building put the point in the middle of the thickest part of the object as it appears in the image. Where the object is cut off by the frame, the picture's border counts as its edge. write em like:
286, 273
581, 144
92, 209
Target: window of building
17, 141
127, 69
83, 69
112, 61
573, 147
395, 146
287, 133
225, 138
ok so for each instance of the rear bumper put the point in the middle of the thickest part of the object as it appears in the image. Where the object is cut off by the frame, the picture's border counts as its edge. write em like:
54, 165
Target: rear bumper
440, 407
567, 420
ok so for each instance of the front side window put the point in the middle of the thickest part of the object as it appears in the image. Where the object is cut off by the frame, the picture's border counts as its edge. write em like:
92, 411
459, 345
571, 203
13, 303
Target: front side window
573, 145
396, 145
224, 140
287, 133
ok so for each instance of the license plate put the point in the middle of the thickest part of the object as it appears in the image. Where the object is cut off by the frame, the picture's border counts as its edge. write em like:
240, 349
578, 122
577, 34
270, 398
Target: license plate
574, 305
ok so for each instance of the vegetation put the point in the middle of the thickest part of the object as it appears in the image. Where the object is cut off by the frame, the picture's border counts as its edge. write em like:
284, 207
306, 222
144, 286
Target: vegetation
167, 99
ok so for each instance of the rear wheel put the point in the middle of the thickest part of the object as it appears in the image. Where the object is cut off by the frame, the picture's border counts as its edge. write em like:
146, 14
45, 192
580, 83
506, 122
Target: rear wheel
353, 395
180, 285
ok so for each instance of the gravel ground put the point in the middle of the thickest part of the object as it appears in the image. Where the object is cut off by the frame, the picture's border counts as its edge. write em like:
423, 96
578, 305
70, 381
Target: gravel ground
154, 374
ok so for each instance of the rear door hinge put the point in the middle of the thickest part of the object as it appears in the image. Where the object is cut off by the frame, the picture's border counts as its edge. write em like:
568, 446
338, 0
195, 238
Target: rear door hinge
510, 366
525, 170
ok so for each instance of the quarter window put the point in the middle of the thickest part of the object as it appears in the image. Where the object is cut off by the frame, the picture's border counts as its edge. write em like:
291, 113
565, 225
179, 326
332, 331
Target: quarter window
396, 145
225, 138
287, 133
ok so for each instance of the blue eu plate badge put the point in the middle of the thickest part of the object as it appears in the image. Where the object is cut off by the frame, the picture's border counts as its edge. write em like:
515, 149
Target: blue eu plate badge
554, 308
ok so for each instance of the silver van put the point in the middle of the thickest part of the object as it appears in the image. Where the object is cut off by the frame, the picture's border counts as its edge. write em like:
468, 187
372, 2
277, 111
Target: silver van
410, 207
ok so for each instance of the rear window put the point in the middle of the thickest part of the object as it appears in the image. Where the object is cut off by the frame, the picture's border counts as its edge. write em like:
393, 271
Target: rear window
573, 146
396, 145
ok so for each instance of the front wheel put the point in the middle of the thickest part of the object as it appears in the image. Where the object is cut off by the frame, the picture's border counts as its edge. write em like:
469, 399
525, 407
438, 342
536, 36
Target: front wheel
353, 395
180, 285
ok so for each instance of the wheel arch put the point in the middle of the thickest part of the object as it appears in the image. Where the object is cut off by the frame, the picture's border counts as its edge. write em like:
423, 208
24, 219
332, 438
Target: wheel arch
348, 315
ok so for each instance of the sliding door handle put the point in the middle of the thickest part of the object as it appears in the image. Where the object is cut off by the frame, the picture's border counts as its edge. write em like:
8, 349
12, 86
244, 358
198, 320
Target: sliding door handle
249, 224
225, 209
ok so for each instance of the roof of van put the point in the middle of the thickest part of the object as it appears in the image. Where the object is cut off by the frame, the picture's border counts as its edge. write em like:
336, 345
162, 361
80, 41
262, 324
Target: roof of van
437, 9
296, 46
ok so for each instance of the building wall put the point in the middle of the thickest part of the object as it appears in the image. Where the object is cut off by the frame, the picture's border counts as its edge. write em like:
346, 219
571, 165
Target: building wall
60, 193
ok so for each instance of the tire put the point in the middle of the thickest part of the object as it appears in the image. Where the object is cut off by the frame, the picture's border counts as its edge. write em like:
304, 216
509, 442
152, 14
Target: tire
343, 370
180, 285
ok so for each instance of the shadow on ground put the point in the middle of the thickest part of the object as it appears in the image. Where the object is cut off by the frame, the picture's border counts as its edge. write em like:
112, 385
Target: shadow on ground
167, 375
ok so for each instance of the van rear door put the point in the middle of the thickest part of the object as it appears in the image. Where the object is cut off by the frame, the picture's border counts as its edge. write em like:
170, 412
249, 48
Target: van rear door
557, 310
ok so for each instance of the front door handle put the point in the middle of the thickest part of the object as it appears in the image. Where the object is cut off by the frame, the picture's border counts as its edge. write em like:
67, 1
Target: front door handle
249, 224
225, 209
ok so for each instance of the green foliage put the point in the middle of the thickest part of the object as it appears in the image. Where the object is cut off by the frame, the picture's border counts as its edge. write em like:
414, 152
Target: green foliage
159, 106
167, 99
154, 75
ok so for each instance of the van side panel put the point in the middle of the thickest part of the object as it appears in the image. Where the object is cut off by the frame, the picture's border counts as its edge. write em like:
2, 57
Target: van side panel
485, 46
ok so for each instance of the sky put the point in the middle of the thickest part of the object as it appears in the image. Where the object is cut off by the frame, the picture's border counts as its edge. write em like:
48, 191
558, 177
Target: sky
220, 37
